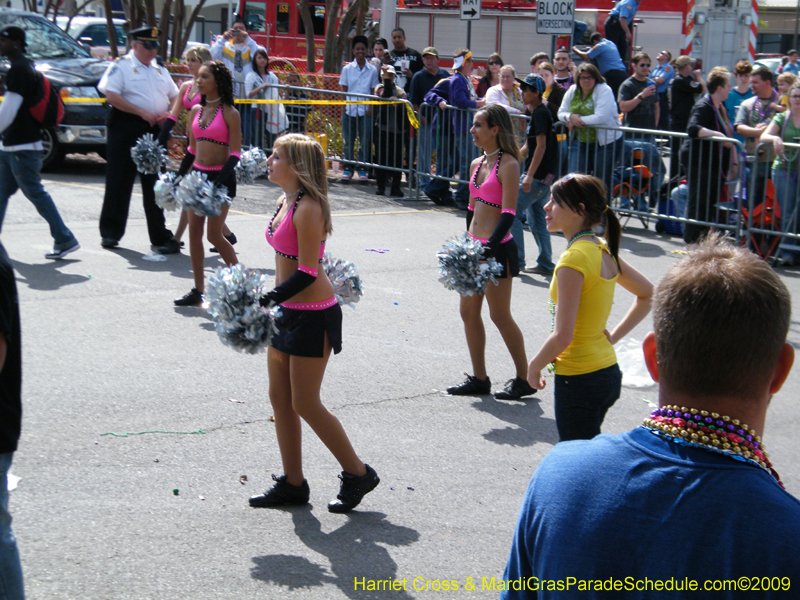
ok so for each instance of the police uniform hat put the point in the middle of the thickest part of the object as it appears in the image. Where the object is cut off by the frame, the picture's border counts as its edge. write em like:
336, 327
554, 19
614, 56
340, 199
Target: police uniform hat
146, 34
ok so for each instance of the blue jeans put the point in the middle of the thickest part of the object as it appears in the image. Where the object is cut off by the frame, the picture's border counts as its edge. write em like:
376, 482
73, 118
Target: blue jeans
360, 127
532, 204
594, 159
463, 154
11, 584
426, 135
22, 171
787, 188
582, 401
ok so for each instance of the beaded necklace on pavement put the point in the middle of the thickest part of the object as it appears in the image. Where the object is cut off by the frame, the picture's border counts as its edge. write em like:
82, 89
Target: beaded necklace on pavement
711, 432
551, 367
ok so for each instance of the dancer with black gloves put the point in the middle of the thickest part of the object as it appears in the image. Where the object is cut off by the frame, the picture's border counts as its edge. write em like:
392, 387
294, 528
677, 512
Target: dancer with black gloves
309, 327
215, 144
493, 190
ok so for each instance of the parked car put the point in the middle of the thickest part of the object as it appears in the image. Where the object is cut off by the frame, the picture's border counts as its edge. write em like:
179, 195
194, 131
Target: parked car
773, 63
93, 32
73, 72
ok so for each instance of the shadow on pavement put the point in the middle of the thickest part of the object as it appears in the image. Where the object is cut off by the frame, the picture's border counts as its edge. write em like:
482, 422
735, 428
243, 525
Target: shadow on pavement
526, 414
46, 276
355, 550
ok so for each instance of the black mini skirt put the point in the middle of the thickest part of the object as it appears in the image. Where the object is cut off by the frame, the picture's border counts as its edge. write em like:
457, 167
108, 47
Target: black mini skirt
302, 332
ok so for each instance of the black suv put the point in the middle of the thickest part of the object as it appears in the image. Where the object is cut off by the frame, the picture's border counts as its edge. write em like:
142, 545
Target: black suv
75, 73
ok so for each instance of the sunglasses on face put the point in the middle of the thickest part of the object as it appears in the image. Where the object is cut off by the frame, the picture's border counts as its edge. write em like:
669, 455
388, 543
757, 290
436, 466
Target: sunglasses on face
149, 45
495, 62
643, 65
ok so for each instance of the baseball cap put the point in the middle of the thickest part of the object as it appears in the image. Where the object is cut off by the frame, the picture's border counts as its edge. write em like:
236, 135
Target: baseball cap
14, 33
430, 50
682, 61
534, 82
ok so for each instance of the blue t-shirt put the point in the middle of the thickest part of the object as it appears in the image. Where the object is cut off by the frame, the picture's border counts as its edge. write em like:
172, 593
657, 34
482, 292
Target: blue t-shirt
732, 104
636, 506
607, 57
625, 9
667, 71
794, 69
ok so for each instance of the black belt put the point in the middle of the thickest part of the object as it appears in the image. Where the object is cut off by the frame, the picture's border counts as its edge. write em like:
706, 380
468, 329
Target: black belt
612, 19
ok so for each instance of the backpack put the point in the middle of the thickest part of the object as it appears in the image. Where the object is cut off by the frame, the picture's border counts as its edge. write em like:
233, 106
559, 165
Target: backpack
49, 110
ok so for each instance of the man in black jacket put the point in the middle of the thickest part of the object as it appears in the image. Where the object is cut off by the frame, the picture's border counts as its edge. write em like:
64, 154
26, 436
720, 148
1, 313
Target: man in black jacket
21, 147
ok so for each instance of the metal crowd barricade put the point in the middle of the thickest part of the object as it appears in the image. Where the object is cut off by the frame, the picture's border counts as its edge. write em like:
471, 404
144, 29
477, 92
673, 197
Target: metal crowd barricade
771, 210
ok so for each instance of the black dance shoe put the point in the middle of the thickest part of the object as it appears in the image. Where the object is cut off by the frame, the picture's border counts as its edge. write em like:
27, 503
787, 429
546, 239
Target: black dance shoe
472, 386
193, 298
282, 493
353, 489
515, 389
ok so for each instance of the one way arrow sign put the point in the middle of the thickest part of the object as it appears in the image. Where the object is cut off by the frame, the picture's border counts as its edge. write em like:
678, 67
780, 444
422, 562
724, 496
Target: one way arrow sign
470, 10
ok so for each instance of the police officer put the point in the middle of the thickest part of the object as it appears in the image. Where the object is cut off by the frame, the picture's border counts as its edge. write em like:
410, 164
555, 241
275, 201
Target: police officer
139, 92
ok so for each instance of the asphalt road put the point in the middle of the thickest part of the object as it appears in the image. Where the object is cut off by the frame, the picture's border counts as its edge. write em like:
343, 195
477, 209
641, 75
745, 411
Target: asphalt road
162, 511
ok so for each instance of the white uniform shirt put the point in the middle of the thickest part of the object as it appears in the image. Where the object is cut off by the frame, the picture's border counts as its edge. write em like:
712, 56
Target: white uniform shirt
147, 86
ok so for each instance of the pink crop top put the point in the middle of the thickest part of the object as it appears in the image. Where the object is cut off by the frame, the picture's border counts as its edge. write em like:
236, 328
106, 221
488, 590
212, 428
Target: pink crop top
490, 191
284, 239
215, 132
189, 103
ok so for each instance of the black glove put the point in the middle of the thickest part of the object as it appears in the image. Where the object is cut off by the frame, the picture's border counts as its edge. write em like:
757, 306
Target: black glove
186, 163
227, 169
503, 227
166, 132
299, 281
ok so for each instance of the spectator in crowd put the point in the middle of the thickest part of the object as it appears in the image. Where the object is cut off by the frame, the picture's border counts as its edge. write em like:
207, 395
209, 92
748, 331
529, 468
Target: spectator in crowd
561, 63
21, 145
554, 93
784, 82
538, 171
619, 27
683, 91
708, 164
752, 119
638, 99
791, 65
492, 75
552, 98
462, 97
785, 128
506, 93
379, 54
406, 61
390, 123
237, 50
359, 77
586, 105
740, 92
662, 74
721, 317
422, 82
588, 379
436, 189
266, 121
537, 59
296, 113
608, 61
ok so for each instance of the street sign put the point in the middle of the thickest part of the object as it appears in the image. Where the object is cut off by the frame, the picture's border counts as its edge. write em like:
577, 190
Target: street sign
470, 10
553, 17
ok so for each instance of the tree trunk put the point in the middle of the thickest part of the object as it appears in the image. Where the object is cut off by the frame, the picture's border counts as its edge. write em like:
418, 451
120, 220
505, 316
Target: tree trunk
308, 24
112, 33
337, 43
330, 60
164, 26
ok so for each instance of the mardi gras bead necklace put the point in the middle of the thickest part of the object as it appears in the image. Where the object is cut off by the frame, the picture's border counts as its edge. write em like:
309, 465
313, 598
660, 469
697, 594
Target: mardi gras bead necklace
711, 432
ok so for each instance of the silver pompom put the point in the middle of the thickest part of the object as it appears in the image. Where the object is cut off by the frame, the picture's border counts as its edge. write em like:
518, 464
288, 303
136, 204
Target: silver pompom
252, 165
198, 194
165, 189
232, 299
345, 279
463, 268
148, 155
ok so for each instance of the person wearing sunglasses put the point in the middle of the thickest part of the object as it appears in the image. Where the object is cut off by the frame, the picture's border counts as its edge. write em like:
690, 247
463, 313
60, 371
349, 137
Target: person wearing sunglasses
491, 76
637, 96
140, 93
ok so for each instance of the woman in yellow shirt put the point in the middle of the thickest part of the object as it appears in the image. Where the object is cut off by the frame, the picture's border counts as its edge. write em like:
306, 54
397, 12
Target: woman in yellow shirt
588, 380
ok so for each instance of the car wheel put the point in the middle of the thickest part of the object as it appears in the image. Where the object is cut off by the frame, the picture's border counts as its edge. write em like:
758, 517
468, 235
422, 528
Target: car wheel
52, 153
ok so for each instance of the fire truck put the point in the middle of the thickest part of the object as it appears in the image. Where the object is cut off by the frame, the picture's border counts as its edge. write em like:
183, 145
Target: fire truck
718, 32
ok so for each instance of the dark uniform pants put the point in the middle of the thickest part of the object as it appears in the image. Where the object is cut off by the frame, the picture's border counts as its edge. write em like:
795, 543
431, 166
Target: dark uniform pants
123, 131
